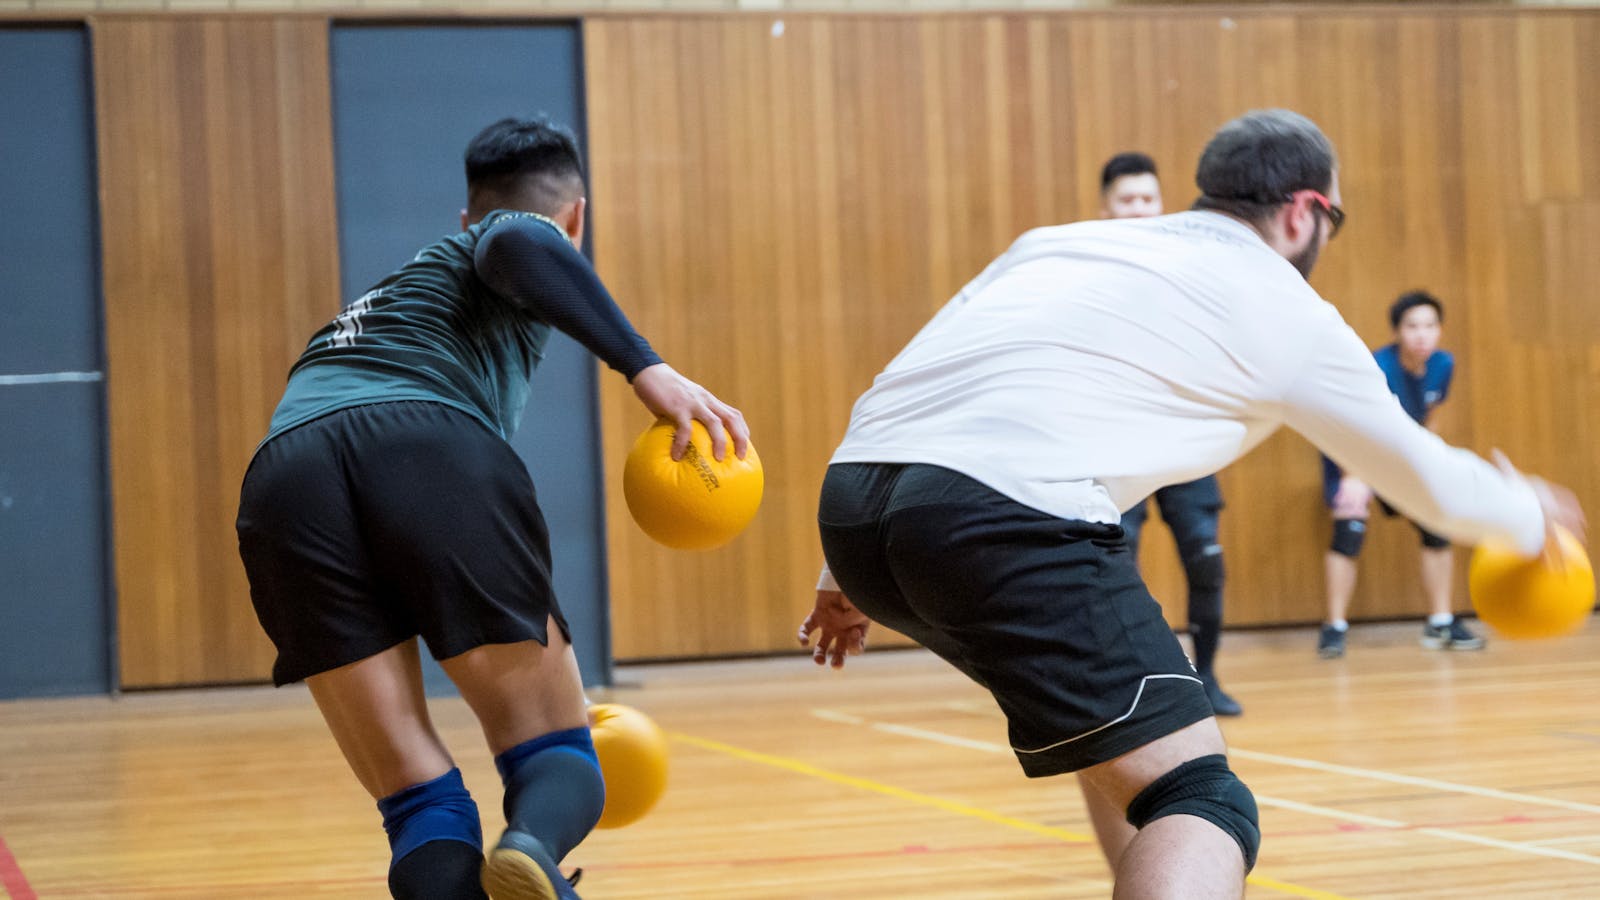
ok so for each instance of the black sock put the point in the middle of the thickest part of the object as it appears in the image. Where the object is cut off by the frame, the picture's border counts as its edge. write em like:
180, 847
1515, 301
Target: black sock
1204, 568
1207, 635
438, 870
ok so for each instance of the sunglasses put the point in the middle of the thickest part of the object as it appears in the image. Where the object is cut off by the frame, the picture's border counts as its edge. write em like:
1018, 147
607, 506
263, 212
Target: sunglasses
1335, 214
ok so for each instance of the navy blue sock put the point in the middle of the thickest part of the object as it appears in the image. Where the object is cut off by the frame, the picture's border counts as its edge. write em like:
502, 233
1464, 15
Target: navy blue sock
554, 790
435, 839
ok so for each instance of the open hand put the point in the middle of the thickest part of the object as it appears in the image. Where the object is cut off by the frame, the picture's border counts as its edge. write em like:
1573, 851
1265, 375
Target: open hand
840, 629
1560, 505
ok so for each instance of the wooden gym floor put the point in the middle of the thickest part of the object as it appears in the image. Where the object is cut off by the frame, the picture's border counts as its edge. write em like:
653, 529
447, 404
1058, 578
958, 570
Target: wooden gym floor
1395, 772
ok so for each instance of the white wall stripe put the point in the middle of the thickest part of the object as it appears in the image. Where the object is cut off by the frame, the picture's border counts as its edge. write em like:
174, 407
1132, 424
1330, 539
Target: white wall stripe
50, 378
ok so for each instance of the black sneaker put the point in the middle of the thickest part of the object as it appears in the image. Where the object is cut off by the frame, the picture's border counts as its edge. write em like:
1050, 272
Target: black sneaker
520, 868
1330, 644
1455, 636
1221, 703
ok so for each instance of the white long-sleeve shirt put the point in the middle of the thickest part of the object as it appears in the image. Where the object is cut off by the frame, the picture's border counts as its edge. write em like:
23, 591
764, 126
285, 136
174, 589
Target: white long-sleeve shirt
1093, 363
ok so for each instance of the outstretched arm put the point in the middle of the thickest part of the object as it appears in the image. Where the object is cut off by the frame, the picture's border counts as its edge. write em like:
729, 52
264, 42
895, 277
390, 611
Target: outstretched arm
531, 263
1342, 404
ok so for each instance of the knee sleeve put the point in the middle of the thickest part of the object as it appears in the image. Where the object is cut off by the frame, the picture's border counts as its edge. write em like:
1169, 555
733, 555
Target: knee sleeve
554, 788
1205, 572
437, 810
1207, 788
1348, 536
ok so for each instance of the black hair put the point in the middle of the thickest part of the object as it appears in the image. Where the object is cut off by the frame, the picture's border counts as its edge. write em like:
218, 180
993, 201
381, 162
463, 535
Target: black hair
1411, 300
1126, 164
534, 159
1254, 163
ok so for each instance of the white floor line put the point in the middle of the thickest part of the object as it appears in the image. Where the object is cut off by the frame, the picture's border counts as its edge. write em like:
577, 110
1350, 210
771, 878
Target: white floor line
1511, 845
937, 737
1571, 839
1466, 676
1535, 848
1412, 780
1370, 774
829, 715
1342, 815
941, 738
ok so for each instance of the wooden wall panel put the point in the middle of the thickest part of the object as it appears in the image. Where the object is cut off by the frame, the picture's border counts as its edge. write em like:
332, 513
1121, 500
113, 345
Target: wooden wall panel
780, 210
220, 256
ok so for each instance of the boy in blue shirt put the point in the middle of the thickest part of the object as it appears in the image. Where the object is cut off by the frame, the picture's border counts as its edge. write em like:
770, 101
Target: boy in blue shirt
1419, 375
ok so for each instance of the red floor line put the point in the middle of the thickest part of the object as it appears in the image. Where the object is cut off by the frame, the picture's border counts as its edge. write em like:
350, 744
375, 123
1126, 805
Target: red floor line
910, 850
11, 877
101, 890
11, 874
1353, 827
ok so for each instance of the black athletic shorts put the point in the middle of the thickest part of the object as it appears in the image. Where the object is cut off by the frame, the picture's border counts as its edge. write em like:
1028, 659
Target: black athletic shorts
371, 525
1049, 615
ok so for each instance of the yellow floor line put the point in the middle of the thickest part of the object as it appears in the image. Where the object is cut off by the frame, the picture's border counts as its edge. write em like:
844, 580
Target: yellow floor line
963, 809
888, 790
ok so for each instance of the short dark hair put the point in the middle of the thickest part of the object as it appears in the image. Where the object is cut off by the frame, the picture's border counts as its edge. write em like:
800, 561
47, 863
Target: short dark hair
1411, 300
534, 158
1254, 163
1126, 164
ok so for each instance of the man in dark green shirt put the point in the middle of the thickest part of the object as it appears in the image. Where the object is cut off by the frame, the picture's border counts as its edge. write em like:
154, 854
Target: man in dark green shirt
386, 504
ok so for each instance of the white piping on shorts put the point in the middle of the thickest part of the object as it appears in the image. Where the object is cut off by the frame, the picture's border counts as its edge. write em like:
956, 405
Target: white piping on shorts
1118, 720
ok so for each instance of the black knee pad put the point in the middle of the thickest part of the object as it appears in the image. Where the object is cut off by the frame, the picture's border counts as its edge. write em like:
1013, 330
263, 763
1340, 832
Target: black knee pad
1348, 536
1433, 541
1204, 568
1207, 788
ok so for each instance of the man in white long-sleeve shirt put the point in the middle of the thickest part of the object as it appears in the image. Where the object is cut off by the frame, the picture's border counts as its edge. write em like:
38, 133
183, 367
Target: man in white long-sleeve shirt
973, 504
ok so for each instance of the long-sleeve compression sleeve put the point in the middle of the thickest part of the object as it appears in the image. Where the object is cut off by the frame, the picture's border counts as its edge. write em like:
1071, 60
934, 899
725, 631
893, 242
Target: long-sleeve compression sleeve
528, 261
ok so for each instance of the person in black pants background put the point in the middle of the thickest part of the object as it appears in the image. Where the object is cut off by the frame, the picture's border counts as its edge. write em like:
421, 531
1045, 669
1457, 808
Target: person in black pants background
1131, 189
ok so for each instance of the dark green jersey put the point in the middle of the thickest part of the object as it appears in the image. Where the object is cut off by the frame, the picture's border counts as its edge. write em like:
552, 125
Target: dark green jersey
432, 330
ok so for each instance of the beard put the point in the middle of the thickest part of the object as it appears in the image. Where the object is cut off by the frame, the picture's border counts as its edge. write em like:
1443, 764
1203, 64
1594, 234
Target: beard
1306, 259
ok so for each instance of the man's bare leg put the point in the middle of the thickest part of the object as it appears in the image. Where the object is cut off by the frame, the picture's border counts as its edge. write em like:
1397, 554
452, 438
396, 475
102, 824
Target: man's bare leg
1174, 855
